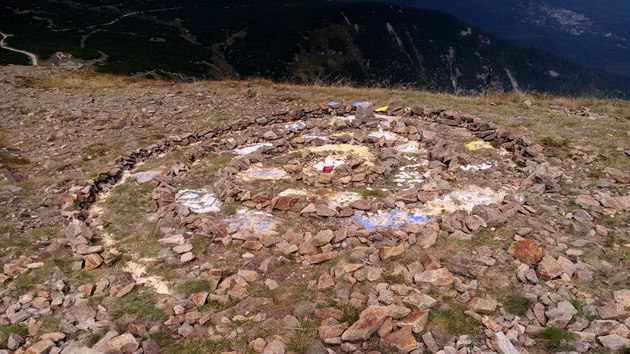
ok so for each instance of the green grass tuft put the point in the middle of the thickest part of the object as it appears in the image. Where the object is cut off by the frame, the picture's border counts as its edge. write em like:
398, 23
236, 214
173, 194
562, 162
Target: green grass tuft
299, 341
200, 345
449, 321
554, 339
516, 304
162, 338
139, 303
230, 208
377, 193
7, 330
349, 314
193, 286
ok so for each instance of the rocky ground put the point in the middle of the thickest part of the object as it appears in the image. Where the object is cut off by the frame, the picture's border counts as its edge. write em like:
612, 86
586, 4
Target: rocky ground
248, 217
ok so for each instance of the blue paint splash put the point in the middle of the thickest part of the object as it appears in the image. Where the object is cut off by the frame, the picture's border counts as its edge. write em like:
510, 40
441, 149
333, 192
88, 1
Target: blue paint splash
257, 222
391, 219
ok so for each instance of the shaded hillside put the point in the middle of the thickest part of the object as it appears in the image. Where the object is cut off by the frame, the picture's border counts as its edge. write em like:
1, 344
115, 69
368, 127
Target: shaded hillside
591, 33
295, 41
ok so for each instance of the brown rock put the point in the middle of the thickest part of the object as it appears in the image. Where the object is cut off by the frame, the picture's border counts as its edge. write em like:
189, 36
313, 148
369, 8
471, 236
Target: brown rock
526, 251
419, 301
328, 312
286, 202
257, 345
618, 203
321, 258
124, 343
125, 290
361, 204
150, 347
199, 299
483, 306
612, 311
401, 341
474, 222
386, 253
325, 282
323, 237
370, 320
549, 268
587, 202
41, 347
325, 211
622, 297
416, 320
435, 277
385, 328
92, 261
346, 212
331, 329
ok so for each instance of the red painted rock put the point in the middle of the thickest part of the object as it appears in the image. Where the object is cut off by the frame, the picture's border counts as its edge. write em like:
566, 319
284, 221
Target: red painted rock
526, 251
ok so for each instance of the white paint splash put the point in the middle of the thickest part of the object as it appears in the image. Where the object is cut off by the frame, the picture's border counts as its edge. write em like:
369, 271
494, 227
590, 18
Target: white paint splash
137, 272
199, 201
145, 176
385, 134
250, 148
346, 148
256, 222
478, 167
410, 175
262, 173
462, 199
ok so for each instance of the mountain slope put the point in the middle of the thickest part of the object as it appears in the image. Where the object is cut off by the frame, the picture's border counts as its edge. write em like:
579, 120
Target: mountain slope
296, 41
591, 33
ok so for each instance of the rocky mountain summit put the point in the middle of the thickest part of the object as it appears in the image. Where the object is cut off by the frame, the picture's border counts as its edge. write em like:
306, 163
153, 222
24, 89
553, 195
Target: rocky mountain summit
248, 217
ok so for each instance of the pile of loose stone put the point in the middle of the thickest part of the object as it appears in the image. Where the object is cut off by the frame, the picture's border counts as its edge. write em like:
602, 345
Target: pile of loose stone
393, 315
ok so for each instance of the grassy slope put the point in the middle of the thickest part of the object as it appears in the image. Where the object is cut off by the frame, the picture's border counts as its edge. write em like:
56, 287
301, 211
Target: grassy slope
509, 109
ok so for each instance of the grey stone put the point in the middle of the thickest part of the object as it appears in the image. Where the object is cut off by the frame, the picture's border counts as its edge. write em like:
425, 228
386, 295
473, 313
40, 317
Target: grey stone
560, 315
503, 344
614, 342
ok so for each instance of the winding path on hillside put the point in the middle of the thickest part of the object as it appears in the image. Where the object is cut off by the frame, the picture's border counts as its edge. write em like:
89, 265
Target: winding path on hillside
116, 20
31, 56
